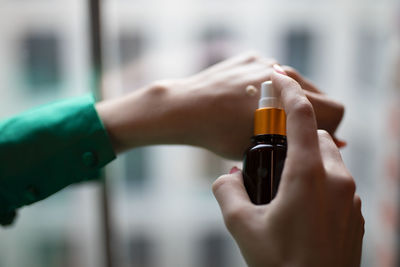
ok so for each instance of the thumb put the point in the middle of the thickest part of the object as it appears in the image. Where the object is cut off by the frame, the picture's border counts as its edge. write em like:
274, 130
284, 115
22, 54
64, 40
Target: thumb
232, 198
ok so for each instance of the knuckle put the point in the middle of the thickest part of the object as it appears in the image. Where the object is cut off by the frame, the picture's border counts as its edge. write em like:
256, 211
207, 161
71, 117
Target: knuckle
324, 134
303, 106
220, 182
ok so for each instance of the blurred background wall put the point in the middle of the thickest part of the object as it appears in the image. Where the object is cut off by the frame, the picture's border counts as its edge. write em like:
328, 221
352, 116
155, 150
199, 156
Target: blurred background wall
163, 212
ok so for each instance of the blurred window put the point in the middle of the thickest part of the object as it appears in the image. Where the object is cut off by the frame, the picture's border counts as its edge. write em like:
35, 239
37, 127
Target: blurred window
54, 252
214, 250
135, 168
298, 45
216, 40
367, 56
41, 61
131, 45
141, 251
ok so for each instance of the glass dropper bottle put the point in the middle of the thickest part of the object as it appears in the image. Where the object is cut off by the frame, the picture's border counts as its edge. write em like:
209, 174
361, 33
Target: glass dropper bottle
264, 160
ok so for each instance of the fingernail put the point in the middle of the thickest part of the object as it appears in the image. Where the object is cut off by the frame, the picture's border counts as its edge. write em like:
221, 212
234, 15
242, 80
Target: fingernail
233, 170
279, 69
340, 143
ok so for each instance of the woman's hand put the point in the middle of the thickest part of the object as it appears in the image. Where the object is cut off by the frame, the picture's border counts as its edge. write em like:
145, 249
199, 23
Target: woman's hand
328, 112
315, 219
210, 109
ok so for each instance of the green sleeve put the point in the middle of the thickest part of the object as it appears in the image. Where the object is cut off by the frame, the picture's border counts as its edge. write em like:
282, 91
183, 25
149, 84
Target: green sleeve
48, 148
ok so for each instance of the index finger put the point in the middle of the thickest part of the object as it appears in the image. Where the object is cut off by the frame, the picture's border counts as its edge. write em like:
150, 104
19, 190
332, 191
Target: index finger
233, 200
301, 125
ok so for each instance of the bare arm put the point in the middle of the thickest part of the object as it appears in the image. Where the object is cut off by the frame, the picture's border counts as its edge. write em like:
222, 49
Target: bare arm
210, 109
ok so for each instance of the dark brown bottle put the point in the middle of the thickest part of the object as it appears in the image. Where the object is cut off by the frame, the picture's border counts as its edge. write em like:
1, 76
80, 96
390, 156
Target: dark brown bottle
262, 167
264, 160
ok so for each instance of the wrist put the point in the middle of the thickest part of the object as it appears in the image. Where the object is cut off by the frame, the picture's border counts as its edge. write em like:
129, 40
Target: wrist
152, 115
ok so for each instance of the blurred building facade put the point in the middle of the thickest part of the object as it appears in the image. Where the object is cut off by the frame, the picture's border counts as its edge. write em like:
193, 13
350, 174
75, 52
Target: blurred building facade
163, 212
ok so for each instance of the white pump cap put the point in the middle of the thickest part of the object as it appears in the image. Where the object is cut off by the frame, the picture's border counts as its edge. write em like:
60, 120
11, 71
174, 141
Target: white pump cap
270, 97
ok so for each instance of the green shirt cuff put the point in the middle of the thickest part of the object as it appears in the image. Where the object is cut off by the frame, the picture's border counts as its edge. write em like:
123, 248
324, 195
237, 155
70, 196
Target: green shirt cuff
48, 148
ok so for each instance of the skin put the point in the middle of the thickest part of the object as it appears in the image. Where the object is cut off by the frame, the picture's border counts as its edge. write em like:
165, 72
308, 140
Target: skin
204, 109
328, 112
315, 219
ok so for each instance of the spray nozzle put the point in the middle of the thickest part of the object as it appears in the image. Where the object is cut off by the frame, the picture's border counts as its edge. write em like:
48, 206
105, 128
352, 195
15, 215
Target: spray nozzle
270, 97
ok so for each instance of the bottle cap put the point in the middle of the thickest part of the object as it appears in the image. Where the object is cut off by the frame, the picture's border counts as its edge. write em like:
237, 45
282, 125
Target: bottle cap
270, 97
270, 117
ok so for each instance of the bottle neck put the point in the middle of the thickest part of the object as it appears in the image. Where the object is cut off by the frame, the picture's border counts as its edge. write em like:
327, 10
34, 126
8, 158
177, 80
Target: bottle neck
269, 121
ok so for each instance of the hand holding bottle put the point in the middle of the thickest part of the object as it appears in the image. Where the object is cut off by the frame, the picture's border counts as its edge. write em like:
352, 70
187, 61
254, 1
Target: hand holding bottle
328, 112
315, 219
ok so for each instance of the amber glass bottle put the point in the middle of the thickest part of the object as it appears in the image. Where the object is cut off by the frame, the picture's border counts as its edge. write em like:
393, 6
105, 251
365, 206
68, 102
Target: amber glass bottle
264, 159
